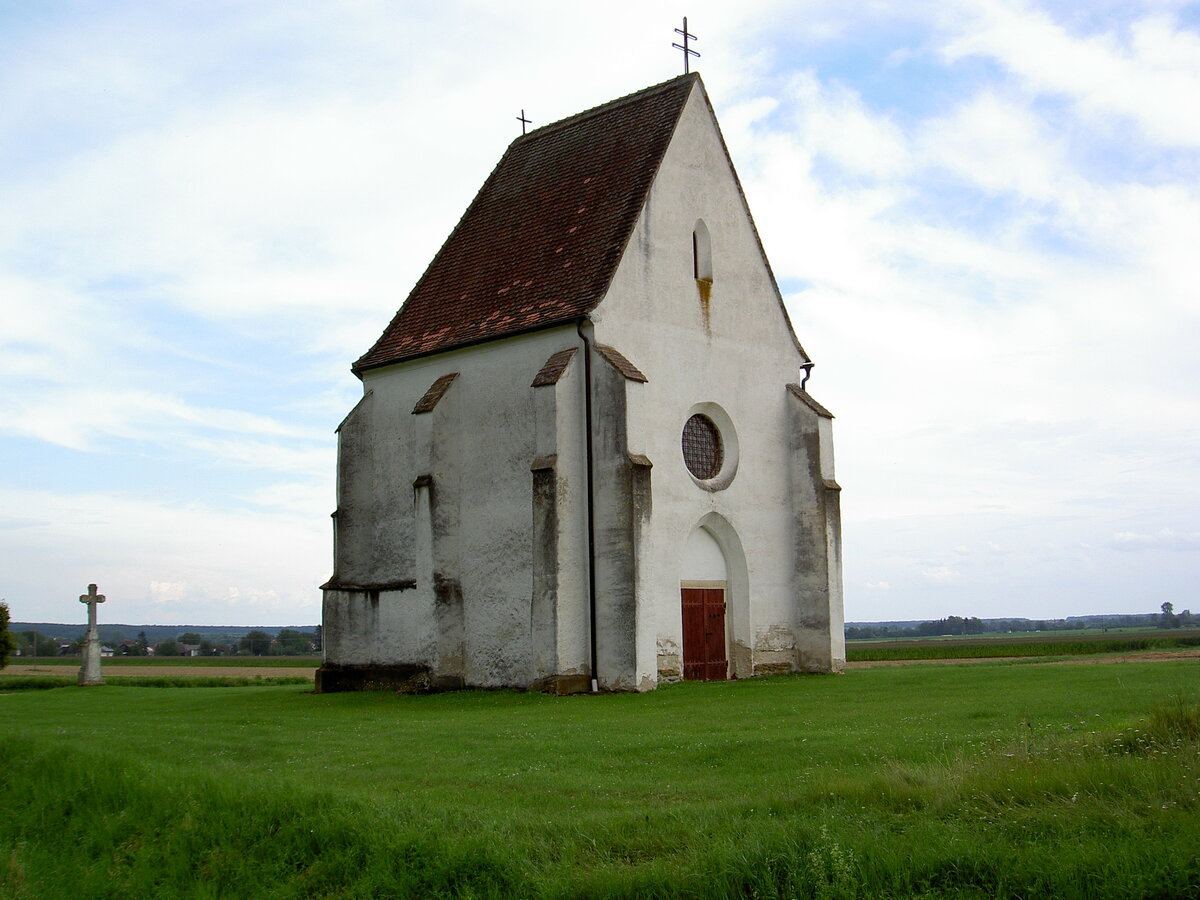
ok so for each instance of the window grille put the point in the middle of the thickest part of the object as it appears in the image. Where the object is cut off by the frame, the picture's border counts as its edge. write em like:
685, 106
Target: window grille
702, 453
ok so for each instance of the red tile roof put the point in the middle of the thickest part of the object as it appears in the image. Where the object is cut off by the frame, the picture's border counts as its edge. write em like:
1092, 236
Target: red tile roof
617, 360
436, 390
554, 367
540, 242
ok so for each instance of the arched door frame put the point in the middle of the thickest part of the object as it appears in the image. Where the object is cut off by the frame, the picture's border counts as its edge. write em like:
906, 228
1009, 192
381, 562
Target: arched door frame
737, 591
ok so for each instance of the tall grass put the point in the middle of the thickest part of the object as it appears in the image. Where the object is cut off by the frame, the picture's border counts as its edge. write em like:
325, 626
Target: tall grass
88, 827
984, 781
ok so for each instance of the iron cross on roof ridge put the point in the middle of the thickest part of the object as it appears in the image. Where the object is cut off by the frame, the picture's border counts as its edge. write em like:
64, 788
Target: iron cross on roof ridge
524, 121
687, 51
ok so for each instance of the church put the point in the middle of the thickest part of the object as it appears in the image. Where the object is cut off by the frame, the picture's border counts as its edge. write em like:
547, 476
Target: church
585, 457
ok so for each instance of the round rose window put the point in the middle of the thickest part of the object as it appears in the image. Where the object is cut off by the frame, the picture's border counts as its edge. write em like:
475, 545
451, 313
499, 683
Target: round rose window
702, 452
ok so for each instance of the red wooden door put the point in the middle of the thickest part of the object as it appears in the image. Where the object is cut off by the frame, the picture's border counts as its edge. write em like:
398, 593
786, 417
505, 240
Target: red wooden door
704, 634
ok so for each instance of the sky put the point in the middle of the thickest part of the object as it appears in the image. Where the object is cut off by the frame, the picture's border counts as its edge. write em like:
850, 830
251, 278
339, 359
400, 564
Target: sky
984, 217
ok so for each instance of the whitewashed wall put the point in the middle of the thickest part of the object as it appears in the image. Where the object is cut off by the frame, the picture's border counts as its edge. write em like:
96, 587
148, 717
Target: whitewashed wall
466, 538
735, 351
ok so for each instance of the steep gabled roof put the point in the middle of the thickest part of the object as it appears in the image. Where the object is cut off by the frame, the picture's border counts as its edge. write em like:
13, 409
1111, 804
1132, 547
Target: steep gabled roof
540, 242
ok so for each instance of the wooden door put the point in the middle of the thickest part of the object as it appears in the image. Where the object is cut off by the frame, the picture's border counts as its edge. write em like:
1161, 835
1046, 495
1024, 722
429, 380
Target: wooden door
704, 634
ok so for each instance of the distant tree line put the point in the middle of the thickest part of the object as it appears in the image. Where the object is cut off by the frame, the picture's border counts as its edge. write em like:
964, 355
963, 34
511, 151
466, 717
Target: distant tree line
959, 625
7, 642
1169, 619
948, 625
287, 642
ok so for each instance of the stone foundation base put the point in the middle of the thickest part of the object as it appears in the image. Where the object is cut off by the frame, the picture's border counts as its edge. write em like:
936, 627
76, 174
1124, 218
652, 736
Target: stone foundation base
779, 668
402, 679
563, 684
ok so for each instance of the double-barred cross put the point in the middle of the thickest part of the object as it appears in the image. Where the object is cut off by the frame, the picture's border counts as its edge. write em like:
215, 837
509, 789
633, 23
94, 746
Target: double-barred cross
688, 52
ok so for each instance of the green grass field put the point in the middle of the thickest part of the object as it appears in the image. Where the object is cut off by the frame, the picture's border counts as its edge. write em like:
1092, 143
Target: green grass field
1048, 635
986, 780
999, 646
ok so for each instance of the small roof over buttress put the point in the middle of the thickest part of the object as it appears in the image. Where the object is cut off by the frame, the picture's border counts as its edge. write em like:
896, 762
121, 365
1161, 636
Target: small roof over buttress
539, 244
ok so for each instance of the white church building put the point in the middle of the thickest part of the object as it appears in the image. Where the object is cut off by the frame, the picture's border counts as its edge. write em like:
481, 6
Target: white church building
585, 457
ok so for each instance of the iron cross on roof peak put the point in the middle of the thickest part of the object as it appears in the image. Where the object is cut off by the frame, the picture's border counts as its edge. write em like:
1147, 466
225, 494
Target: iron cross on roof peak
687, 51
524, 121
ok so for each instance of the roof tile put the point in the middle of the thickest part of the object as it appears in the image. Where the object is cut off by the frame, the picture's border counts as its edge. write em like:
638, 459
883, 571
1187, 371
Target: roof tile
554, 368
436, 390
807, 399
541, 240
618, 361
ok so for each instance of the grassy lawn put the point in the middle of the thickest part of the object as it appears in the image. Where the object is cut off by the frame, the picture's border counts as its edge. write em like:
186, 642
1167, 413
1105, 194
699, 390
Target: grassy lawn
988, 780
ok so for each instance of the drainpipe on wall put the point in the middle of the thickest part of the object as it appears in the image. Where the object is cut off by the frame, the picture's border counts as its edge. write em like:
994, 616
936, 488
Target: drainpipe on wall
591, 525
807, 367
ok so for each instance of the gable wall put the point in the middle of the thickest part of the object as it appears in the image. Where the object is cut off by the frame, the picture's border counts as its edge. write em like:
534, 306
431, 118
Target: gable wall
735, 350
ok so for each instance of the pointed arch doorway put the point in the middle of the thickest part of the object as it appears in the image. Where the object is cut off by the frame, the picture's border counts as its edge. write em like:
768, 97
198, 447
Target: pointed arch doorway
703, 599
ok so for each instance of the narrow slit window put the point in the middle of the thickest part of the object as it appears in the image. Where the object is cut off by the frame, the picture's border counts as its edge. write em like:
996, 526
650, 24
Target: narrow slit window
701, 253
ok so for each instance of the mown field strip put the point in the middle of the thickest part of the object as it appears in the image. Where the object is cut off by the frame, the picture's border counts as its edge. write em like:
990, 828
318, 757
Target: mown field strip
998, 646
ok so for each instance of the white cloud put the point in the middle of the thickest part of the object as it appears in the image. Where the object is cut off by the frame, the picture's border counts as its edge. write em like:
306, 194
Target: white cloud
939, 574
164, 593
1164, 539
78, 415
834, 123
1146, 72
999, 144
256, 602
156, 560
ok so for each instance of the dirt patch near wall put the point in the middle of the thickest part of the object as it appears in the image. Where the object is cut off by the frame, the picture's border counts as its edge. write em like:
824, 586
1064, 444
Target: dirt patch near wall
173, 671
1146, 656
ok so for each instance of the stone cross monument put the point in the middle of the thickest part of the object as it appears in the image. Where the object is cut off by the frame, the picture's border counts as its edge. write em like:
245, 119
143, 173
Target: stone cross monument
89, 672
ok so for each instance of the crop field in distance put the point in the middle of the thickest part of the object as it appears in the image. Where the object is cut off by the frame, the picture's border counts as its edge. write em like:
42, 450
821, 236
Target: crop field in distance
1039, 644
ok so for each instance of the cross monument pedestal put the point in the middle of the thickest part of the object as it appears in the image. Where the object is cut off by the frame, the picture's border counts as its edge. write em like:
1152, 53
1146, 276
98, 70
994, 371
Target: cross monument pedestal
89, 672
